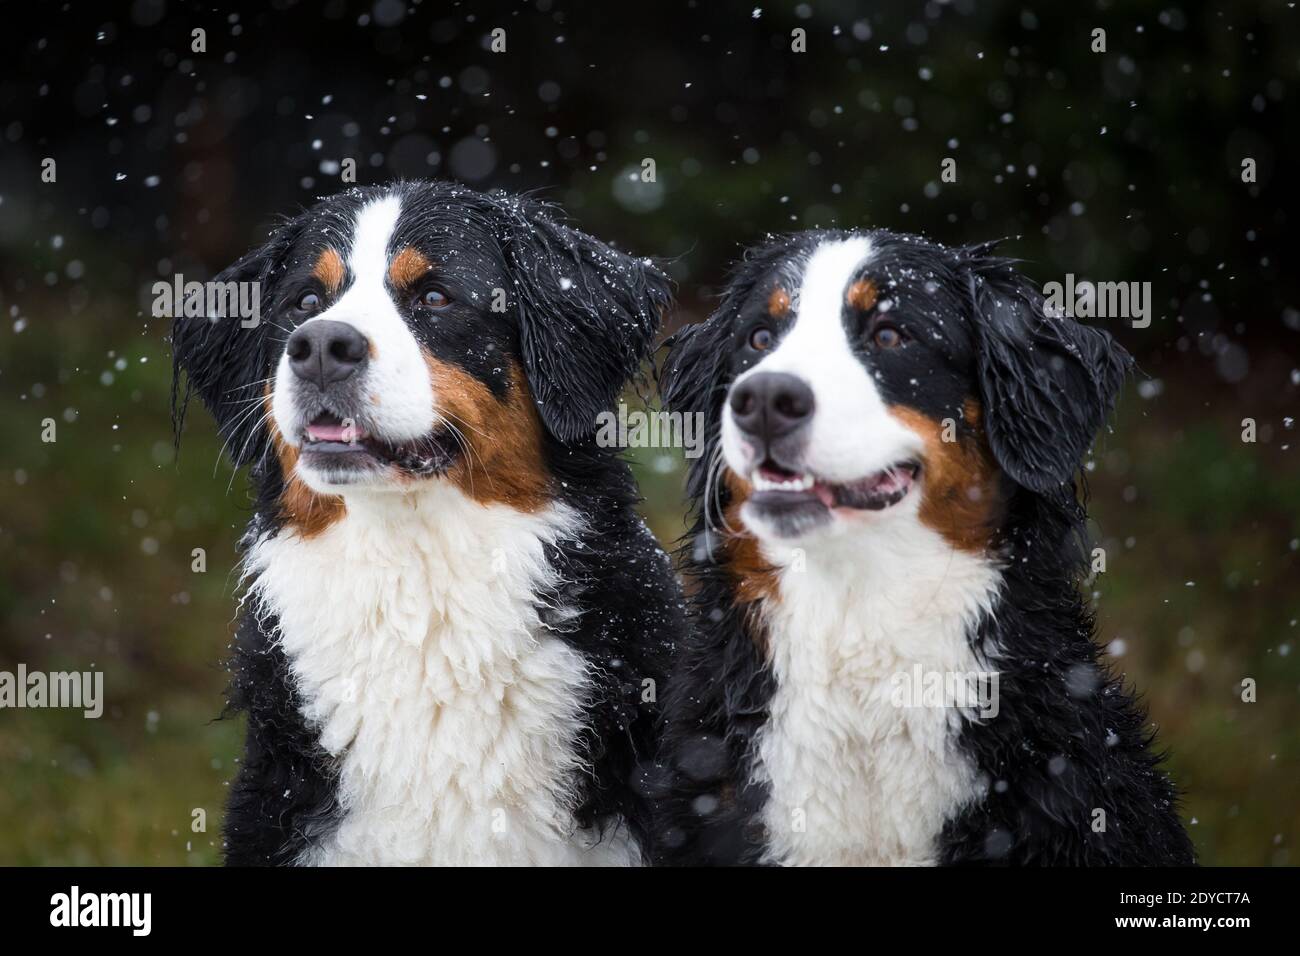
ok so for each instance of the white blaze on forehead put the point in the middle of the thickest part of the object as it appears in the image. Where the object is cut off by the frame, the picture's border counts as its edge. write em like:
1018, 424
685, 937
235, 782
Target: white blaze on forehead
852, 433
831, 268
395, 394
372, 234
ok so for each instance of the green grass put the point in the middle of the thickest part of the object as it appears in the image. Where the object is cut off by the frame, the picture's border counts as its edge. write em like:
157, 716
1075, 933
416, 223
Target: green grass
1201, 588
122, 790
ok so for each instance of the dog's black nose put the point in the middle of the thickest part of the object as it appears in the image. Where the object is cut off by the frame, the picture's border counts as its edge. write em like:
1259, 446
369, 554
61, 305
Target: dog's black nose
324, 351
771, 404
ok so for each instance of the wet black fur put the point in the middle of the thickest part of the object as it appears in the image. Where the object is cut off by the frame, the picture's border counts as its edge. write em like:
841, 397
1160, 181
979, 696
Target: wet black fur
578, 346
1045, 387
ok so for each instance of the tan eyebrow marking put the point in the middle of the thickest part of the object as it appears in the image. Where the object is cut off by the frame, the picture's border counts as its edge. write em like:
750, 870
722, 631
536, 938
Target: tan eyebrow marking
778, 303
408, 267
329, 270
862, 295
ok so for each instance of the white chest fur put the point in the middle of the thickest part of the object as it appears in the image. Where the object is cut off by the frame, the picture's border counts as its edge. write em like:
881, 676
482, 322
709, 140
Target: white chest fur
854, 778
411, 629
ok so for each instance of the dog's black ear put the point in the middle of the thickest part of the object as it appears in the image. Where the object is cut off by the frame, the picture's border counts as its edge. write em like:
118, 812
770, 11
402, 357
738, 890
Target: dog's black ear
694, 367
1047, 383
226, 359
588, 316
689, 378
690, 383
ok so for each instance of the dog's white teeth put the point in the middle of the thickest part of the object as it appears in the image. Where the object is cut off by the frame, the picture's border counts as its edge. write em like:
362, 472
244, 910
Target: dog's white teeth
797, 483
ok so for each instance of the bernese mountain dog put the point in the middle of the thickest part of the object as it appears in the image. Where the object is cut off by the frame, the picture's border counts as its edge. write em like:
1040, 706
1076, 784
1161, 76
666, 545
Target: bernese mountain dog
891, 661
454, 622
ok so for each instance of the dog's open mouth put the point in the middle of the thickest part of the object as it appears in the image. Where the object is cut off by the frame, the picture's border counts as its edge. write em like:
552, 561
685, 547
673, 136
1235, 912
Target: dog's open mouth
775, 486
340, 444
327, 434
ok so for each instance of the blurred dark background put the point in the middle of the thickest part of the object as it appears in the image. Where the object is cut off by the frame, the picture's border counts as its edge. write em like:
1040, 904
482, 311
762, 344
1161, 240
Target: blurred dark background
1116, 166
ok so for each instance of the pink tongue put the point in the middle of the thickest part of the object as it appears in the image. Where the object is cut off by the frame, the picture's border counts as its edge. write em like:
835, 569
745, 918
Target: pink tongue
334, 433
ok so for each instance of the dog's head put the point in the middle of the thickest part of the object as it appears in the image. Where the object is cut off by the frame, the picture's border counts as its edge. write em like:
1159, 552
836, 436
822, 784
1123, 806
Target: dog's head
853, 380
421, 332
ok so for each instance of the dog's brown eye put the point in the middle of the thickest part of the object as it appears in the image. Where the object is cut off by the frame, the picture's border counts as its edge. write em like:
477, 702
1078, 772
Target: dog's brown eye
433, 299
887, 337
309, 302
760, 340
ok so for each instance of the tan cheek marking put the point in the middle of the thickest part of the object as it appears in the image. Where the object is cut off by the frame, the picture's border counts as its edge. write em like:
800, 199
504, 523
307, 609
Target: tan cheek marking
504, 463
329, 270
961, 486
408, 267
302, 509
756, 579
862, 295
778, 303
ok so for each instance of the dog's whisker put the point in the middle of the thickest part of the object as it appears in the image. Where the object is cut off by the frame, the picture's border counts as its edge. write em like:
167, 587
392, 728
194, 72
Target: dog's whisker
264, 381
230, 429
252, 433
460, 439
713, 488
